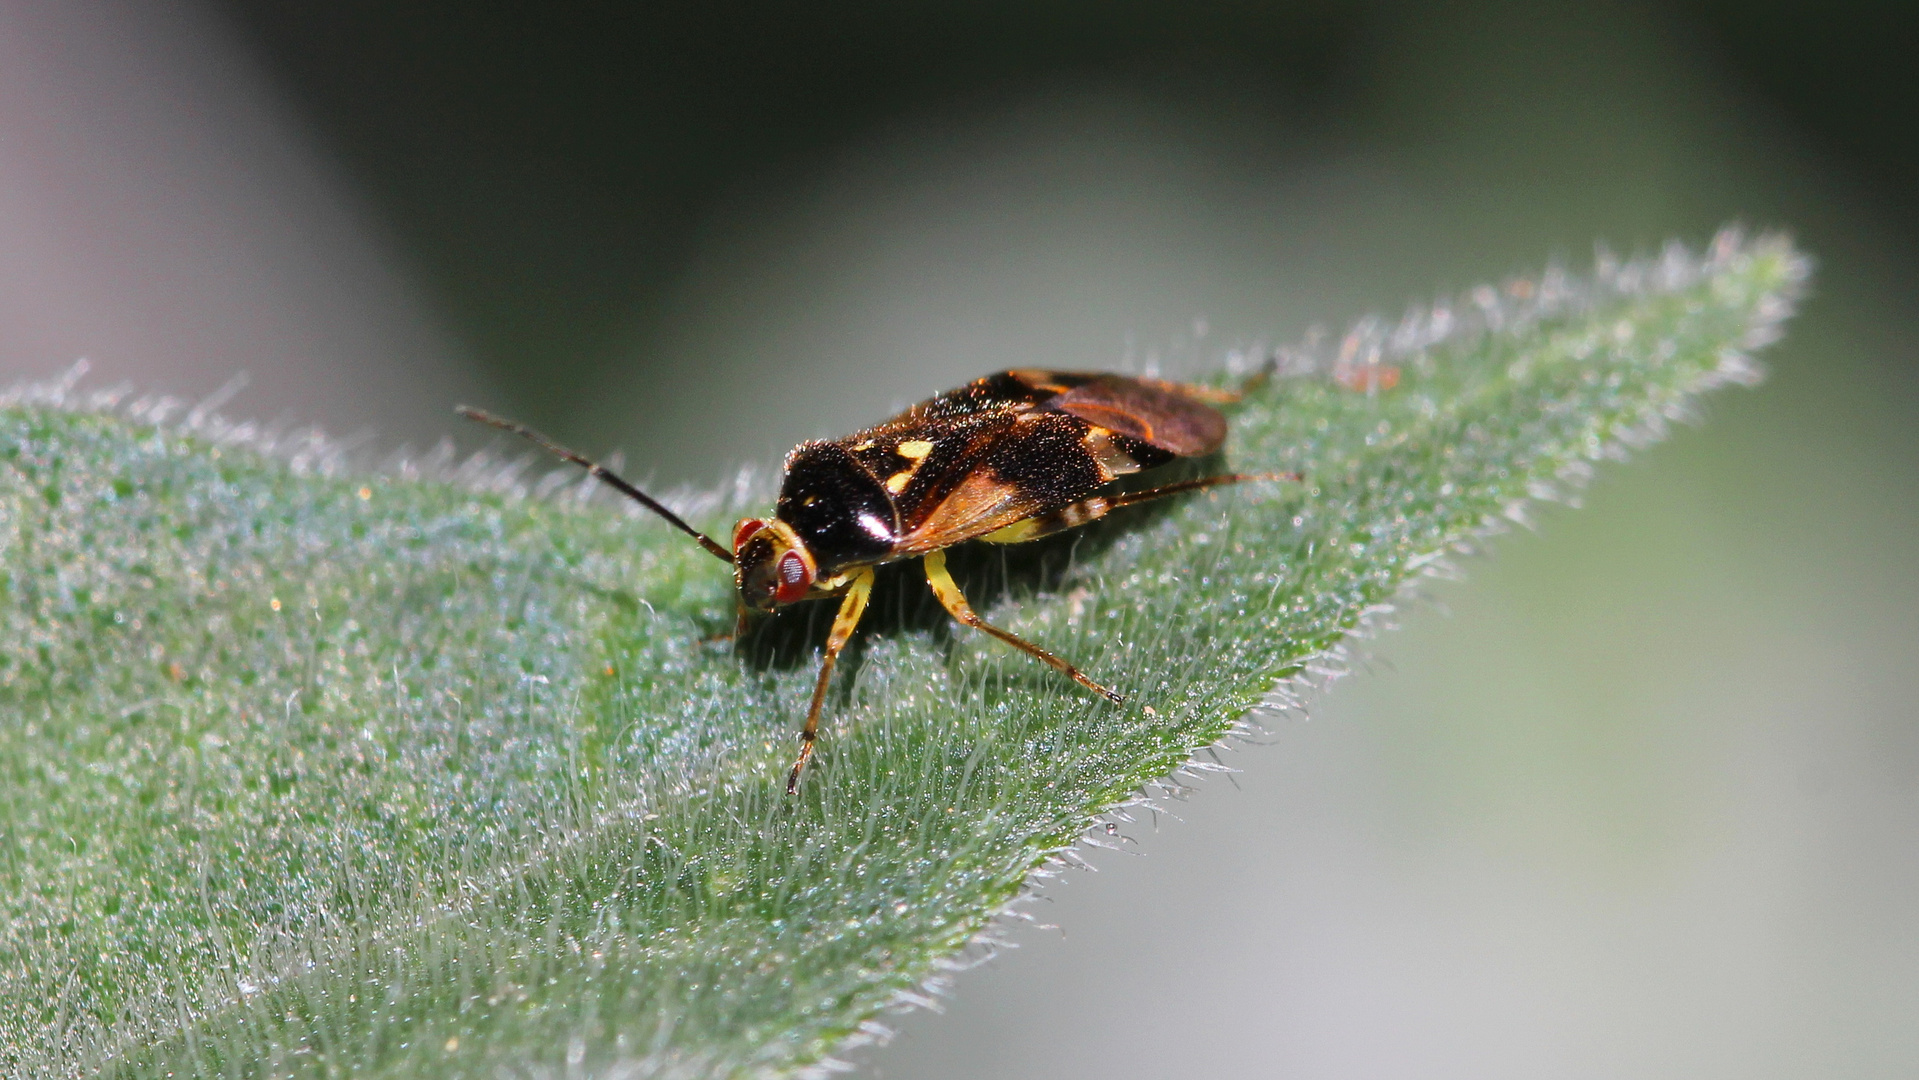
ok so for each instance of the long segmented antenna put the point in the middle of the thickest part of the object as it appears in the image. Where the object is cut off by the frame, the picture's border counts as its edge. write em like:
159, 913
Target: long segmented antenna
595, 469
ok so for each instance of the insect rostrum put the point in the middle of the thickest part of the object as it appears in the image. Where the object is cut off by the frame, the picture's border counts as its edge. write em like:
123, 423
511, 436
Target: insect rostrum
1007, 458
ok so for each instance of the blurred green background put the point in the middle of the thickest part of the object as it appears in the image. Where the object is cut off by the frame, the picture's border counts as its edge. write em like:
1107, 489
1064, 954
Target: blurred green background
1643, 800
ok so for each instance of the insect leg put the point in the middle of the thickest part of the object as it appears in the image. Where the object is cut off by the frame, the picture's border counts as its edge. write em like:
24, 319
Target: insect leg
844, 623
1080, 513
955, 603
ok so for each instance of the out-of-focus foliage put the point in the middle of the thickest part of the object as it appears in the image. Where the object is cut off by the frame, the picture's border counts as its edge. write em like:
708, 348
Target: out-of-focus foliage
316, 773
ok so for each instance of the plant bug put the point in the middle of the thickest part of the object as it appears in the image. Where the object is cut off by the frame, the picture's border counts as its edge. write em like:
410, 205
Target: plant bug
1005, 459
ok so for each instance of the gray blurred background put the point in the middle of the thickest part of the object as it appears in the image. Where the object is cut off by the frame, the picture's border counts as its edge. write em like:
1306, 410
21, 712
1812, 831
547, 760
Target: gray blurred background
1643, 801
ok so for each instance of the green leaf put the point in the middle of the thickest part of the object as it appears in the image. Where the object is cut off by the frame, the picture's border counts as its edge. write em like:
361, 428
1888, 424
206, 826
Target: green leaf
310, 772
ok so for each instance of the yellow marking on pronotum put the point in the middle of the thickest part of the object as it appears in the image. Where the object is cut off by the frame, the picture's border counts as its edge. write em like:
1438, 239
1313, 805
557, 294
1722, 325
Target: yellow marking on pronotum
915, 451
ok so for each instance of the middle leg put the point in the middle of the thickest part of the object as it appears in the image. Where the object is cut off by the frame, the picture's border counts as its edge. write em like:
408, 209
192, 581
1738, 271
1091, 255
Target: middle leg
955, 603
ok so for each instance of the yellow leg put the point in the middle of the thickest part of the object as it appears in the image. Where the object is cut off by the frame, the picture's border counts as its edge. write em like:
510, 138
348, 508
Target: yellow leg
955, 603
851, 608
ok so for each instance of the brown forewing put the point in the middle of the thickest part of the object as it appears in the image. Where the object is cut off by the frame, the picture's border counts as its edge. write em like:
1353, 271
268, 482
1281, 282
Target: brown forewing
1017, 444
1157, 413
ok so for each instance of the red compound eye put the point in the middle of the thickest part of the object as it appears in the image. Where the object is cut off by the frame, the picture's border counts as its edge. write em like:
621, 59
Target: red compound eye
745, 529
794, 578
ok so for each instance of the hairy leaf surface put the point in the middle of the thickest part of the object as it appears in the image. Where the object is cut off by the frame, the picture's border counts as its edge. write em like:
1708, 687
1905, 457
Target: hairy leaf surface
313, 771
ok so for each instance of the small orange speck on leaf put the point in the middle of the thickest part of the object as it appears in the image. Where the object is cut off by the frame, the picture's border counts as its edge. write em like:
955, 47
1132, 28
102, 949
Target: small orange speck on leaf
1364, 378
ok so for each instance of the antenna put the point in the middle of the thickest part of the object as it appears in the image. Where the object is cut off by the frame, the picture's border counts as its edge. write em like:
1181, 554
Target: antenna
595, 469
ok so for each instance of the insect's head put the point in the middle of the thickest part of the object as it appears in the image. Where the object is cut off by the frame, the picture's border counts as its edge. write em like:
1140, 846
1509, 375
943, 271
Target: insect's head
771, 565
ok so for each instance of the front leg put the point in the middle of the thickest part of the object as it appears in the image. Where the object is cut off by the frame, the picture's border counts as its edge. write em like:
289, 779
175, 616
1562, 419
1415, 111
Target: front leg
844, 623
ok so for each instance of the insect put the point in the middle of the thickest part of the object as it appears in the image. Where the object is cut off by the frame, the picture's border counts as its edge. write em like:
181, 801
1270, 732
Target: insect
1006, 458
